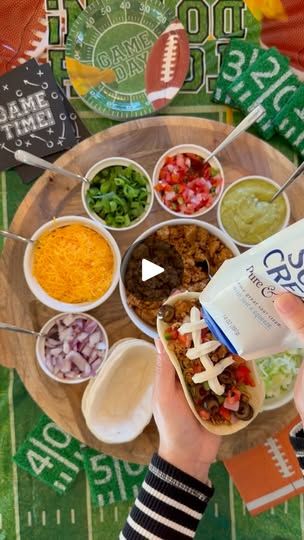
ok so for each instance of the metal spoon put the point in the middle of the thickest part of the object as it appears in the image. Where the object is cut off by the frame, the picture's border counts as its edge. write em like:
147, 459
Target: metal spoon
290, 180
12, 328
250, 119
34, 161
14, 236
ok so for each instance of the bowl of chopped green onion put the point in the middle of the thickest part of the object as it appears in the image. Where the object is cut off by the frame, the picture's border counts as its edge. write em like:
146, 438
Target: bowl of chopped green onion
119, 195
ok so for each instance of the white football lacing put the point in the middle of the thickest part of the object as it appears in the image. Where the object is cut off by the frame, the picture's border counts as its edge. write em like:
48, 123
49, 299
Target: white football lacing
169, 60
200, 351
279, 457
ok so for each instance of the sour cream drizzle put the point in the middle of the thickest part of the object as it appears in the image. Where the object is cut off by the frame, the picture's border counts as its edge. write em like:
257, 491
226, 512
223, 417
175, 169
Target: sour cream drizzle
200, 351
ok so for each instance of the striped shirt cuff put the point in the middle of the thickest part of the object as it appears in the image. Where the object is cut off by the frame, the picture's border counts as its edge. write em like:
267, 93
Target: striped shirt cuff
169, 505
297, 442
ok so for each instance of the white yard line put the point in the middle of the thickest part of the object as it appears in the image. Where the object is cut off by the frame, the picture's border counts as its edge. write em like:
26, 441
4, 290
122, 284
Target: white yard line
89, 511
29, 519
144, 13
120, 481
285, 507
101, 515
116, 514
0, 522
216, 511
72, 516
43, 518
58, 517
135, 491
13, 446
232, 509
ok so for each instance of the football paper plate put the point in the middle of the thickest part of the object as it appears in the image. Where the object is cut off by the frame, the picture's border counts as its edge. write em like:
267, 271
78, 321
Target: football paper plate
127, 59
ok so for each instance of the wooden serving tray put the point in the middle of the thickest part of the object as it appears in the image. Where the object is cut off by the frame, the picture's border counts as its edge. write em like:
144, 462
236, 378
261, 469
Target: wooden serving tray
54, 195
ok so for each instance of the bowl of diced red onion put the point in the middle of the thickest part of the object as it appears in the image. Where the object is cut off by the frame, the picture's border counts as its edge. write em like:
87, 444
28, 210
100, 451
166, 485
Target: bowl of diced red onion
186, 183
72, 348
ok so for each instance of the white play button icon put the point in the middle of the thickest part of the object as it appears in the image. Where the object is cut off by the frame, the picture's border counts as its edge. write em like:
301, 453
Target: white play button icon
149, 270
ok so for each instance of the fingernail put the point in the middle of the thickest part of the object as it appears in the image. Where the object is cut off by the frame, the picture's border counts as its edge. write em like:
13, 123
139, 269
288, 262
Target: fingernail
287, 303
158, 345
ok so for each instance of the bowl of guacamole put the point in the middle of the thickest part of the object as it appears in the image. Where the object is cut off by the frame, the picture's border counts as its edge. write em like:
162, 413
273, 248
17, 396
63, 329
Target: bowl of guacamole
246, 213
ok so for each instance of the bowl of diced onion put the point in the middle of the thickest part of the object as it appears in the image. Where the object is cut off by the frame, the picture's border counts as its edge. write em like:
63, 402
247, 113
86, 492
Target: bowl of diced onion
279, 373
72, 347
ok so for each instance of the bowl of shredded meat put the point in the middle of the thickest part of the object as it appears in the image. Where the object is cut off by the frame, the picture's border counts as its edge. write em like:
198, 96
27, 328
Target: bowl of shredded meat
190, 251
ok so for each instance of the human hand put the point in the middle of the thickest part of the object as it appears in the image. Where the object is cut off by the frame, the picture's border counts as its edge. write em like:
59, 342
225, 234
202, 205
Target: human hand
291, 310
183, 441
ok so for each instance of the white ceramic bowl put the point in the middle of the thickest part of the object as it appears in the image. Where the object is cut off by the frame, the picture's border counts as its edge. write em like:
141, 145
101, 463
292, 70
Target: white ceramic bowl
40, 349
110, 162
141, 325
258, 177
193, 149
40, 293
271, 404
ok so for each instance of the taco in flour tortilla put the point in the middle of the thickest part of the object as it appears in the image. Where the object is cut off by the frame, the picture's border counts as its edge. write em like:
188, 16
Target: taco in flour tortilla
224, 391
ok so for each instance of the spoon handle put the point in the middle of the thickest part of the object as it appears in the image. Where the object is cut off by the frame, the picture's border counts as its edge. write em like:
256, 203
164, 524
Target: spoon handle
13, 236
12, 328
250, 119
34, 161
292, 178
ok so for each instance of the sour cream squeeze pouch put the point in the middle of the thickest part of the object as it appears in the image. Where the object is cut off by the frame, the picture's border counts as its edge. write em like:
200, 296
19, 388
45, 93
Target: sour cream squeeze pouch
238, 302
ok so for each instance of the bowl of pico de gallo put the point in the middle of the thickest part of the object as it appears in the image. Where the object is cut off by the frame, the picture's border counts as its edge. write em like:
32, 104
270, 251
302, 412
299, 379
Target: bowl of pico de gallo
186, 183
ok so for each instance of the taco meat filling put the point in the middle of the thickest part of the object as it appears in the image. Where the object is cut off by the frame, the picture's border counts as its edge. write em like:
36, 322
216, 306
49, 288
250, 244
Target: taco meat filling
194, 245
236, 379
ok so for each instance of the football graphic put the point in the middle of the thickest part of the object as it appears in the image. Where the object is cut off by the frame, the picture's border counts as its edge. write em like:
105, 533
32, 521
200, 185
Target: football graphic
277, 475
167, 65
24, 34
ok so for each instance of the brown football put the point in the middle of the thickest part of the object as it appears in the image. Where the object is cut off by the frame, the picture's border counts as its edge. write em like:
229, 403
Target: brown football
167, 65
23, 32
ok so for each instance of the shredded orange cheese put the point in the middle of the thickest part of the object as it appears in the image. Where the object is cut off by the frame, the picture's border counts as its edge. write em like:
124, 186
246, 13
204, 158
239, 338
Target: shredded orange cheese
73, 264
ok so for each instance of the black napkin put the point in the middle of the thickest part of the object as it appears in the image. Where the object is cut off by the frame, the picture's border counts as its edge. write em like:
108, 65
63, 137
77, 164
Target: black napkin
33, 114
28, 173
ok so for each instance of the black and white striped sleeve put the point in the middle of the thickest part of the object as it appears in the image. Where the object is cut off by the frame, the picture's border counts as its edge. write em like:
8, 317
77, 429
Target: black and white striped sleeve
297, 442
169, 506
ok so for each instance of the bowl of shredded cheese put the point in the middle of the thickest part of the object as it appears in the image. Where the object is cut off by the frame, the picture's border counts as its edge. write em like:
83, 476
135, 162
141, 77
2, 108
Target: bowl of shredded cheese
73, 264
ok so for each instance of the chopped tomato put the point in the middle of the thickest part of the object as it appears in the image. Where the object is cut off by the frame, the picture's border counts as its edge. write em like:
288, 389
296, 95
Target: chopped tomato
171, 333
187, 183
225, 413
243, 375
232, 400
170, 159
197, 367
204, 414
233, 396
204, 335
185, 340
